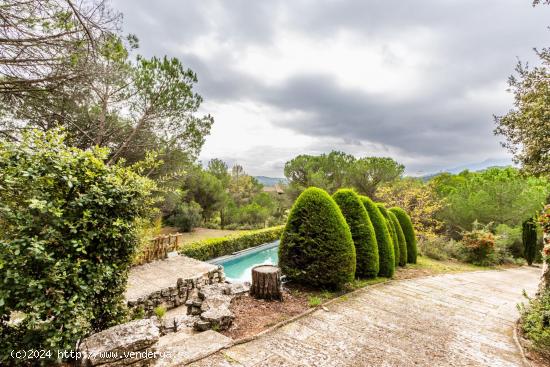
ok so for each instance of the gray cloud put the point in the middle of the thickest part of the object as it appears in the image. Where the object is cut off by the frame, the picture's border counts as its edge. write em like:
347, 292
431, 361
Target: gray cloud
475, 51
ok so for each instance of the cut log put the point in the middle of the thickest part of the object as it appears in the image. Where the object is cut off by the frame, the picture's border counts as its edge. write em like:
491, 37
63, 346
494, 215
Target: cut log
266, 282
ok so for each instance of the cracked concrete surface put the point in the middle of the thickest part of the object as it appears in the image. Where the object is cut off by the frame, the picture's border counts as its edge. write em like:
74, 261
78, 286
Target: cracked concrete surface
448, 320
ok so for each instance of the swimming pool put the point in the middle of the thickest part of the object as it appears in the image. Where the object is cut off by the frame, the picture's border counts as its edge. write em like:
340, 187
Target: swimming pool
237, 267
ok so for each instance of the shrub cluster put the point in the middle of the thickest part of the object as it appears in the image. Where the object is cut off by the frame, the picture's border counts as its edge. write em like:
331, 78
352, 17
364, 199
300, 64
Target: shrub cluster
529, 237
402, 242
393, 232
408, 231
67, 240
479, 246
385, 245
216, 247
362, 232
535, 322
316, 247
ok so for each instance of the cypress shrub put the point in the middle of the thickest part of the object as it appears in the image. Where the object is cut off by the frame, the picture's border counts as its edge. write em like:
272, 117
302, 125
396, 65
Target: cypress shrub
362, 232
529, 240
408, 231
393, 232
316, 245
385, 245
401, 239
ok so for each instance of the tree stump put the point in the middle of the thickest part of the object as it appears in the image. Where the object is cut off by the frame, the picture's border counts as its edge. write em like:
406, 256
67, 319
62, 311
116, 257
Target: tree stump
266, 282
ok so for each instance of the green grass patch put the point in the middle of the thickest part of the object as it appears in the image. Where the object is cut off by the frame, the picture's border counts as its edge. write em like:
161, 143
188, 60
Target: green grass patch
315, 301
445, 266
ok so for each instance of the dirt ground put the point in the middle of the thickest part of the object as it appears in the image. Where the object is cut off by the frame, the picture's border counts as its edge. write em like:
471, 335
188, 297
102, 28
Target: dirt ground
253, 316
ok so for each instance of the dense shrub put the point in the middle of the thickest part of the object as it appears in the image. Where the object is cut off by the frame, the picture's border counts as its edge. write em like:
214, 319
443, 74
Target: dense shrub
400, 238
529, 237
216, 247
408, 231
385, 245
186, 216
479, 246
535, 322
393, 233
362, 232
316, 246
67, 240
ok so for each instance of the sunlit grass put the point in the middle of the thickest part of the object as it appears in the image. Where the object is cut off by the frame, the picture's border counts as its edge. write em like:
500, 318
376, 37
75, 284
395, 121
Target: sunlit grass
445, 266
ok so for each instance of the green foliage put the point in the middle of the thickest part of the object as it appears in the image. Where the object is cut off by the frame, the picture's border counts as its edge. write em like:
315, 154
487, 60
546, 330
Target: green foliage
393, 232
400, 239
383, 239
525, 125
478, 246
510, 239
498, 195
366, 174
314, 301
216, 247
535, 322
408, 231
362, 232
337, 169
186, 216
160, 311
529, 237
316, 246
204, 189
67, 241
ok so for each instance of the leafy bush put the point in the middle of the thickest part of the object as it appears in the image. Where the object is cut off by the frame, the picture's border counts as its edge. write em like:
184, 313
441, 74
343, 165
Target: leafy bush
393, 232
385, 245
535, 322
400, 238
435, 247
408, 231
362, 232
67, 241
529, 237
479, 246
186, 216
510, 239
216, 247
316, 246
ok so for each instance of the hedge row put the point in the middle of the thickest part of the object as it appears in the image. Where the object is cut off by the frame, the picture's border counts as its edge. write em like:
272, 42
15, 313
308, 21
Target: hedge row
383, 238
216, 247
317, 248
408, 231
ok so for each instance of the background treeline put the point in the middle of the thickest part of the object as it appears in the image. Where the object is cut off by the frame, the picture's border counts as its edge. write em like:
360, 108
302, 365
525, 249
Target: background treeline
453, 214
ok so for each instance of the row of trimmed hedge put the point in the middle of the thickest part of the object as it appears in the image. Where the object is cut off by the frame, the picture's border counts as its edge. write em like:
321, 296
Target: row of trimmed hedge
328, 241
221, 246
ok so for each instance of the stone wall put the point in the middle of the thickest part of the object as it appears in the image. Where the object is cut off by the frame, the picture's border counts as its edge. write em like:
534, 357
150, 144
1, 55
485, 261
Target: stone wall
178, 294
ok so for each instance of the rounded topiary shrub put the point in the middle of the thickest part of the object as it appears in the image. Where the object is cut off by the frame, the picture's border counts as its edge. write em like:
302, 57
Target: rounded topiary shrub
529, 240
400, 238
316, 246
67, 238
393, 233
362, 232
408, 231
385, 245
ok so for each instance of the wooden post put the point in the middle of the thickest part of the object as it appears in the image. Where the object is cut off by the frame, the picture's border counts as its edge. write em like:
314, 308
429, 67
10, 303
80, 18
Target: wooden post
266, 282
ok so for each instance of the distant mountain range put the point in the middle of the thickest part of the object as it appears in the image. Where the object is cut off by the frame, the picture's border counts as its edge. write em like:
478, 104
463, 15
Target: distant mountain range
271, 181
488, 163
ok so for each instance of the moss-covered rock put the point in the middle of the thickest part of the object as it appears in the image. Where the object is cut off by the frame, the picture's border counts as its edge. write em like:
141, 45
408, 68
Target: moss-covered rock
362, 232
316, 246
385, 245
393, 233
401, 239
408, 231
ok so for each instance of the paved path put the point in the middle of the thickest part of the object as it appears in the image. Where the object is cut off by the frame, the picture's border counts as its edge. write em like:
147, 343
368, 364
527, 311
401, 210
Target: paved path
449, 320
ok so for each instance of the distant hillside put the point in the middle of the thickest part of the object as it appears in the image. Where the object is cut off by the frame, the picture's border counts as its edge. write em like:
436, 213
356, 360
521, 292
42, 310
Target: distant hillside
474, 167
271, 181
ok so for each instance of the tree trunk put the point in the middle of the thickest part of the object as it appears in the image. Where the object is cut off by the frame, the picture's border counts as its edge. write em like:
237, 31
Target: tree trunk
266, 282
545, 278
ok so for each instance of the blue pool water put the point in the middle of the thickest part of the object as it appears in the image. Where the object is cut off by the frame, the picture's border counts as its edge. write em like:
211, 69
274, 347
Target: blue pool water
238, 267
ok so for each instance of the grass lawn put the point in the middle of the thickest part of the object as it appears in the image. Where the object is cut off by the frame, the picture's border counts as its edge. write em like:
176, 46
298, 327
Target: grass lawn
199, 233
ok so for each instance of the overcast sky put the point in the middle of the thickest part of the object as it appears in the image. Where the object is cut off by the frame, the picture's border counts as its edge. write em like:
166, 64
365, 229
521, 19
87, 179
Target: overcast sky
418, 81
